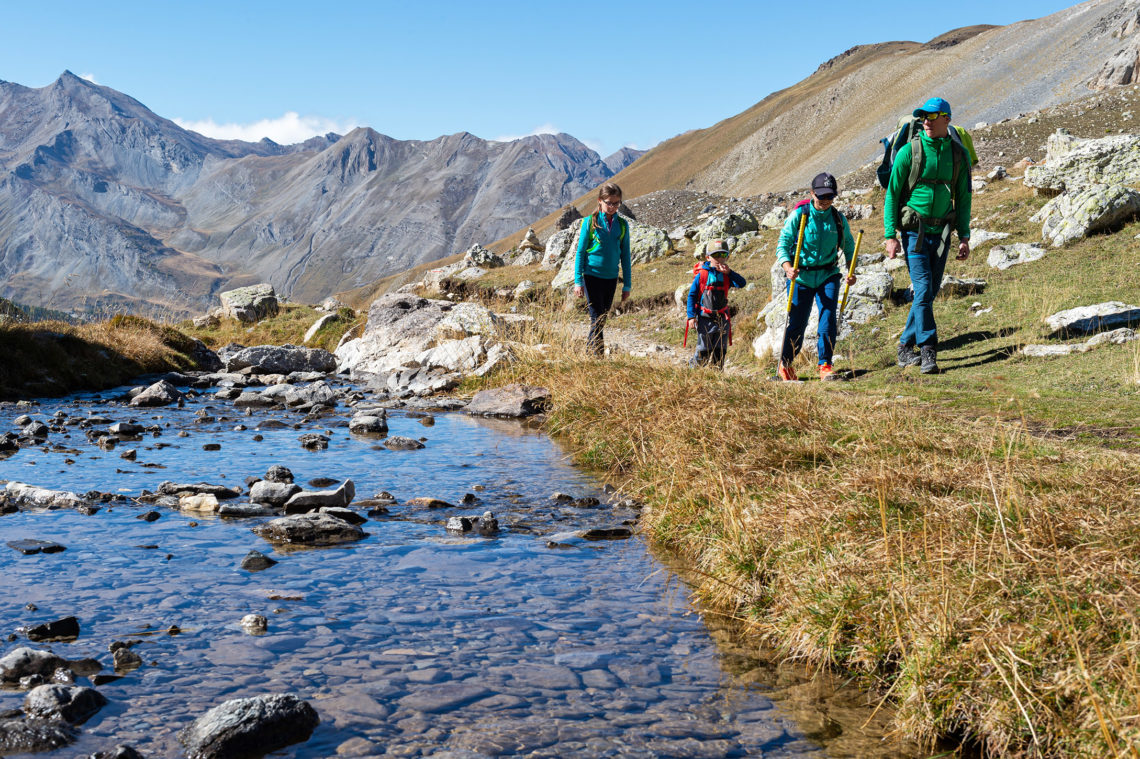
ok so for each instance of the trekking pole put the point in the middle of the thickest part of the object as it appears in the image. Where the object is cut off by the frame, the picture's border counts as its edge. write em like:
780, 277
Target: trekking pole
685, 342
850, 272
792, 287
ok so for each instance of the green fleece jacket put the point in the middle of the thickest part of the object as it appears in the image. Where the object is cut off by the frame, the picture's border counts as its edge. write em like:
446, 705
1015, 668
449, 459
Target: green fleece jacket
930, 200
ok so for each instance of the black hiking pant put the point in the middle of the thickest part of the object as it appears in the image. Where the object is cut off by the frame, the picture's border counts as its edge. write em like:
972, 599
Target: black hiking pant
599, 299
712, 341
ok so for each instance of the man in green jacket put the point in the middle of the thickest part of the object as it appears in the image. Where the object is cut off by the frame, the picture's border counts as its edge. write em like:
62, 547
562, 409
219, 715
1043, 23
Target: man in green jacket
928, 197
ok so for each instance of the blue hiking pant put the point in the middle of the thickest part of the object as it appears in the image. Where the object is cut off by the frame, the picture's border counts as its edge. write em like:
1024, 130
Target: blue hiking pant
926, 261
828, 296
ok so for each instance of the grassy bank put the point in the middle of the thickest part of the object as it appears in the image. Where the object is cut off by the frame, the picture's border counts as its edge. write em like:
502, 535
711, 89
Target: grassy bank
54, 358
986, 581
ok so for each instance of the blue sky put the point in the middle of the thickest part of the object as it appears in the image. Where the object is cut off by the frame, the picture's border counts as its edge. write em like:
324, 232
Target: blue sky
611, 74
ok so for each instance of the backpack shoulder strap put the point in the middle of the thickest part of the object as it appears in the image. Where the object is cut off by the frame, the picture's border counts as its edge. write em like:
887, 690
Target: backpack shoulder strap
917, 159
623, 225
702, 280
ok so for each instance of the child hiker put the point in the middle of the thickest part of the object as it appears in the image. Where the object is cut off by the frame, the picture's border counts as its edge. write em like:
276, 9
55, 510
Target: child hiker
817, 277
708, 305
603, 243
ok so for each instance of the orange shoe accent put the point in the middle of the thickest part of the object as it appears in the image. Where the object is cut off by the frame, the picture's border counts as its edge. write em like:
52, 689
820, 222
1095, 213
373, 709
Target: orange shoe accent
786, 373
826, 372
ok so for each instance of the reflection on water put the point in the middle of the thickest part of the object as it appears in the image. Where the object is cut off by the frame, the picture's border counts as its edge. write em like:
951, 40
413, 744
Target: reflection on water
411, 642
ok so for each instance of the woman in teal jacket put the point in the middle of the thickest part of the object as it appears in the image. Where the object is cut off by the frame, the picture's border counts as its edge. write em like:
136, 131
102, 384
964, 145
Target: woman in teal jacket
817, 277
603, 243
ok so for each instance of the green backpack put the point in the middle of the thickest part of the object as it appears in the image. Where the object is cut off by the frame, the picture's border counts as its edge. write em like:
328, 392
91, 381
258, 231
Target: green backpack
588, 229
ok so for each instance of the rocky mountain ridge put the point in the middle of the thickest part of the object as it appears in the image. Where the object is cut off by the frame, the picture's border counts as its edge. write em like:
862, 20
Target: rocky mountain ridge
105, 205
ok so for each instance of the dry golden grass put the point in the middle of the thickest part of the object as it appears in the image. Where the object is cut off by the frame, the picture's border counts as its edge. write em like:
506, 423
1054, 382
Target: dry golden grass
985, 581
52, 358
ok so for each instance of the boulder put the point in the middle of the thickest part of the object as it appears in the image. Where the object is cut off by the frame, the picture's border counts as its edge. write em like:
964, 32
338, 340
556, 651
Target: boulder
402, 327
73, 704
528, 257
247, 510
569, 215
1099, 207
560, 245
310, 529
18, 736
209, 321
250, 304
199, 504
856, 211
454, 355
318, 325
1121, 69
956, 287
1074, 164
1002, 257
304, 501
646, 243
25, 662
331, 304
272, 493
126, 429
485, 525
179, 489
316, 394
479, 256
161, 393
278, 473
249, 727
722, 225
314, 441
68, 627
511, 401
280, 359
1096, 318
775, 218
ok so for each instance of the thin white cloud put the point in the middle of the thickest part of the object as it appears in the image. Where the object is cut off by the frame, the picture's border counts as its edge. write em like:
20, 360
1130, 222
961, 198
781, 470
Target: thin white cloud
547, 128
89, 77
285, 130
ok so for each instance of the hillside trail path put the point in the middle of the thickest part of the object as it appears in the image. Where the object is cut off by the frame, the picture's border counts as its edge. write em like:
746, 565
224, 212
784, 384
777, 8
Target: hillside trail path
622, 341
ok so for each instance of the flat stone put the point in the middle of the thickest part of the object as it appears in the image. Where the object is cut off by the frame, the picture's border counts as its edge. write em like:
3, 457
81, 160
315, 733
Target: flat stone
443, 698
428, 503
398, 443
310, 529
32, 546
509, 401
1096, 318
68, 627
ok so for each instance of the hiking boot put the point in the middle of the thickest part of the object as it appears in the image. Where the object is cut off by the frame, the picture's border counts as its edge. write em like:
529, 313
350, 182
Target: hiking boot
929, 360
908, 356
786, 373
826, 373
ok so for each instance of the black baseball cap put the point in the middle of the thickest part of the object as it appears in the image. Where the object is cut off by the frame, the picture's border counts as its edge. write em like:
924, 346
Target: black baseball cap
824, 185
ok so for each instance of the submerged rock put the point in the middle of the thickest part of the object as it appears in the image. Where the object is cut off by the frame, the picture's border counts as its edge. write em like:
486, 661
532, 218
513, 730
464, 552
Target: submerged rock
249, 727
18, 736
256, 561
399, 443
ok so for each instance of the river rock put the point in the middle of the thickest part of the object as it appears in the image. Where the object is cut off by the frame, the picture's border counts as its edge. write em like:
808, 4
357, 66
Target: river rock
310, 529
19, 736
513, 400
272, 493
1099, 207
125, 660
281, 359
606, 533
32, 546
278, 473
400, 443
68, 627
161, 393
316, 394
250, 304
30, 495
305, 501
220, 492
1096, 318
24, 662
72, 704
256, 561
1002, 257
254, 624
425, 502
314, 441
1073, 164
35, 429
485, 525
126, 429
118, 752
204, 503
249, 727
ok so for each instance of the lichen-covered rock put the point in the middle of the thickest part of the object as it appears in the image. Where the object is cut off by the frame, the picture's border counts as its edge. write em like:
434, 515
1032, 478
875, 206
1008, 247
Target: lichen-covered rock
722, 225
1096, 318
1002, 257
280, 359
479, 256
646, 243
161, 393
250, 304
249, 727
1071, 216
1073, 164
775, 218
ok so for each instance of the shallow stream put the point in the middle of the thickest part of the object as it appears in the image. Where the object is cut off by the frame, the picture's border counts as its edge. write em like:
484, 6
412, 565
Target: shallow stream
411, 642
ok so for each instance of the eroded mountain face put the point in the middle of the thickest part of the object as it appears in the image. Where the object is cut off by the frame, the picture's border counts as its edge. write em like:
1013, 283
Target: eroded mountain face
106, 206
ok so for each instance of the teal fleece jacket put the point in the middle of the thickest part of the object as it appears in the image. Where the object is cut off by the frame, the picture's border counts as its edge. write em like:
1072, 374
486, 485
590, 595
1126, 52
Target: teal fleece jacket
820, 237
600, 252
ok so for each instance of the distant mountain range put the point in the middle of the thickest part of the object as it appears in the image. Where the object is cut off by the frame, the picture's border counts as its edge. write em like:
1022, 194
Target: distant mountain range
105, 206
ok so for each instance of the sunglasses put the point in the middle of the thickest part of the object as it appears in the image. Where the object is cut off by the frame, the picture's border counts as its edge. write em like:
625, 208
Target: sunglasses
933, 116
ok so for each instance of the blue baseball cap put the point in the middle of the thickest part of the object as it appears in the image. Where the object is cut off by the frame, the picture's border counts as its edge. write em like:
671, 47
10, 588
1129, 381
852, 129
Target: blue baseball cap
934, 105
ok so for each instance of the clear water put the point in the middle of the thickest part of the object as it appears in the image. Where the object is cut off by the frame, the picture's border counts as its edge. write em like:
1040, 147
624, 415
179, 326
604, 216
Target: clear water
411, 642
